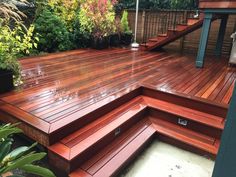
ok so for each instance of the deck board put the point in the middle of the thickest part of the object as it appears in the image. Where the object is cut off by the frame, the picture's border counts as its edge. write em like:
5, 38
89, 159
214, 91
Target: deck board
58, 88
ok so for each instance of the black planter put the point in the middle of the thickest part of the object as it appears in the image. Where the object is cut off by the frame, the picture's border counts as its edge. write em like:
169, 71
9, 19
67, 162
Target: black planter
126, 39
6, 81
115, 40
100, 43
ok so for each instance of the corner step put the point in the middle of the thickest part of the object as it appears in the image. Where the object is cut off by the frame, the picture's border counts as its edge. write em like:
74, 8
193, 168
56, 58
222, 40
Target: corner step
73, 150
119, 152
187, 113
195, 139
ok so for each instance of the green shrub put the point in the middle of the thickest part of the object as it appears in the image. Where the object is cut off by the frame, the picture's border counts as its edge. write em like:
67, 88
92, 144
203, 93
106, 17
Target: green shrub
21, 157
15, 43
125, 24
53, 34
80, 39
97, 17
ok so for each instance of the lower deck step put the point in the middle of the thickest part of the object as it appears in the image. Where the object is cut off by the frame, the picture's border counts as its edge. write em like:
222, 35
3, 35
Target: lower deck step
195, 139
113, 157
105, 145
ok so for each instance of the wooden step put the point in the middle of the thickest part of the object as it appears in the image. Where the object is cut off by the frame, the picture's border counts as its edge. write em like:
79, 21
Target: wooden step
181, 27
163, 35
153, 40
187, 113
84, 143
192, 21
192, 25
171, 32
195, 139
112, 158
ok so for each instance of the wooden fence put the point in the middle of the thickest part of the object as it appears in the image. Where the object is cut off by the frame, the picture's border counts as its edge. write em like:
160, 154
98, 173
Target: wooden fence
187, 44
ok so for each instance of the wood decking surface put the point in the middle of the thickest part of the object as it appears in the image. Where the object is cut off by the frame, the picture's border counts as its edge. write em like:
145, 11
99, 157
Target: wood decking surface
60, 87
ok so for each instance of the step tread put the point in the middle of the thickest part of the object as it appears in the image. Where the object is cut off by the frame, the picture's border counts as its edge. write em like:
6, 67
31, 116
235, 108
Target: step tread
79, 141
112, 157
184, 112
115, 147
153, 40
163, 35
198, 140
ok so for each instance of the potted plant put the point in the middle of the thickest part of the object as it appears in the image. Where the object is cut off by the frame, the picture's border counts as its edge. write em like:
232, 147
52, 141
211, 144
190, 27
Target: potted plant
126, 33
97, 18
13, 43
115, 38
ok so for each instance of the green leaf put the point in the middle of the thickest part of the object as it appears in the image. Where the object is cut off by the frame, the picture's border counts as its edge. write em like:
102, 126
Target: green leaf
37, 170
15, 176
5, 149
19, 152
28, 159
9, 131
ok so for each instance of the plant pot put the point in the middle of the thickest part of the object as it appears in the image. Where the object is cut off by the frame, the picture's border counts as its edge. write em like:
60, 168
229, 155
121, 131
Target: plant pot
100, 43
6, 80
126, 39
115, 40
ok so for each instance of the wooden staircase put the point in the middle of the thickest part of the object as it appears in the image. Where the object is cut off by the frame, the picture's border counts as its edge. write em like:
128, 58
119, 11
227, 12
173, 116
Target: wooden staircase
173, 34
105, 145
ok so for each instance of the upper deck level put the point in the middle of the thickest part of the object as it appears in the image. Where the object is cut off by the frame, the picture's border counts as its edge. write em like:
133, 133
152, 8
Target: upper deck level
217, 4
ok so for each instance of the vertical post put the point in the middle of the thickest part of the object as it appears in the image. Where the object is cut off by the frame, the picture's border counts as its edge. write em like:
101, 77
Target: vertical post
143, 24
221, 34
135, 44
204, 39
225, 161
182, 40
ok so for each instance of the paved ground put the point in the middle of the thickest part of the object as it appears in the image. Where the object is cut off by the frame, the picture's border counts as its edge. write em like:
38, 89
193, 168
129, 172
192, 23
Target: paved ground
163, 160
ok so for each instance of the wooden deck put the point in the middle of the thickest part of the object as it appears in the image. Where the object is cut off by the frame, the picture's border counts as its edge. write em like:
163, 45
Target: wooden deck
95, 110
60, 88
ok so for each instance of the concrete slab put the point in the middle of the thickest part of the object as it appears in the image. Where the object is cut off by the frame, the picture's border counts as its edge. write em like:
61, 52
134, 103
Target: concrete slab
164, 160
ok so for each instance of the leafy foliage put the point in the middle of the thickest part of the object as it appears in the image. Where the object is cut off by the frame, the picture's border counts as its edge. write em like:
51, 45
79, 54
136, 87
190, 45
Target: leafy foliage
54, 35
186, 4
20, 158
125, 24
13, 44
66, 10
157, 4
97, 17
9, 10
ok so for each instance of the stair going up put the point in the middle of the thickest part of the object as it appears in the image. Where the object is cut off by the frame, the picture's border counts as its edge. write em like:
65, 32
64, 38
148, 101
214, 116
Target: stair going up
173, 34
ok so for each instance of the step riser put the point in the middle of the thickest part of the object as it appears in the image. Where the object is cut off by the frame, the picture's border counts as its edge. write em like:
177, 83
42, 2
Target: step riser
69, 166
191, 125
171, 32
185, 146
189, 102
90, 117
